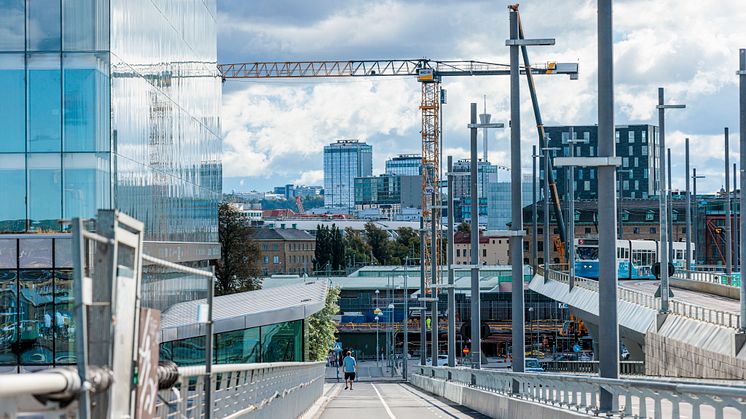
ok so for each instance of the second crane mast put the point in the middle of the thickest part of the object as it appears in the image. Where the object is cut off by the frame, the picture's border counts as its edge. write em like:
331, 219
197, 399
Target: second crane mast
429, 73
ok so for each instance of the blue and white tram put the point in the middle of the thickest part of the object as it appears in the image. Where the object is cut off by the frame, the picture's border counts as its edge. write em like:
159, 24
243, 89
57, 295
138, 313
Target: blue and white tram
635, 258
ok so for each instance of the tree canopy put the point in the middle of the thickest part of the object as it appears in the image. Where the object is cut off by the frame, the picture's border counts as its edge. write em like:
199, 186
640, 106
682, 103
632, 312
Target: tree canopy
239, 267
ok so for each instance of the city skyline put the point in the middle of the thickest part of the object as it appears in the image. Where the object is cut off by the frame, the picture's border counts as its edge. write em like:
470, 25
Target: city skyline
674, 52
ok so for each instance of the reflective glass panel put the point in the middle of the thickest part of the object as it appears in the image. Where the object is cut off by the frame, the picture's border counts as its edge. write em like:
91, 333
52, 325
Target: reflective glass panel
44, 102
189, 351
44, 190
282, 342
11, 25
8, 254
64, 315
37, 317
8, 317
13, 185
43, 25
237, 347
12, 100
86, 108
35, 253
63, 257
86, 25
86, 184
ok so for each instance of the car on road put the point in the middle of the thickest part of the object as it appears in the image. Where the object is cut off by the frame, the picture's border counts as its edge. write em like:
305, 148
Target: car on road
533, 365
442, 361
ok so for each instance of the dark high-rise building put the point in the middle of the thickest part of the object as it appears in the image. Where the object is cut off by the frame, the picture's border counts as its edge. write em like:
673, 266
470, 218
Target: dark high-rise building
635, 144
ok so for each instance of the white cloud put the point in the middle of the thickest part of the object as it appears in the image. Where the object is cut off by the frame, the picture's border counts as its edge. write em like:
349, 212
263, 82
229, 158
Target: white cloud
278, 129
310, 177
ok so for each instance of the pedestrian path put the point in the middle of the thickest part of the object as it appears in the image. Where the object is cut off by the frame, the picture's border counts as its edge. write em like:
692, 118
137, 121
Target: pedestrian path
387, 400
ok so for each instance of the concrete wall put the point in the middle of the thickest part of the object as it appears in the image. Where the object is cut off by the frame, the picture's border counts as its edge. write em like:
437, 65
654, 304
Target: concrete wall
706, 287
688, 348
491, 404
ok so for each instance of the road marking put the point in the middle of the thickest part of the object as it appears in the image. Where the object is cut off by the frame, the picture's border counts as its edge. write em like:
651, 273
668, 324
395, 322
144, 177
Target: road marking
385, 406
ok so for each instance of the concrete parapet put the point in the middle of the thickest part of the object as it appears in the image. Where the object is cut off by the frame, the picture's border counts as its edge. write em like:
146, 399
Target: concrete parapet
706, 287
488, 403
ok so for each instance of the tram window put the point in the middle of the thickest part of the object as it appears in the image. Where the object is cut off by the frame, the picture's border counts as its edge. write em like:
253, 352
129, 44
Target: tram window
587, 253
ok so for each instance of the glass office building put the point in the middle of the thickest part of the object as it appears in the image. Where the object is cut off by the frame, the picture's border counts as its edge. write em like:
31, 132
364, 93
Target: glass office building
404, 165
343, 162
110, 104
486, 191
105, 104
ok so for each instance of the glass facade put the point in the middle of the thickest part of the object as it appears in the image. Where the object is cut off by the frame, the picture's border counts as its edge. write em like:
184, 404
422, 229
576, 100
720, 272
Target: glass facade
404, 165
279, 342
110, 103
37, 327
343, 162
486, 191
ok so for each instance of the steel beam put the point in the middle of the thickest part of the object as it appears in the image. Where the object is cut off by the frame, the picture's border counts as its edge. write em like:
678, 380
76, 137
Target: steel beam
451, 290
476, 353
688, 211
607, 282
516, 208
742, 197
728, 225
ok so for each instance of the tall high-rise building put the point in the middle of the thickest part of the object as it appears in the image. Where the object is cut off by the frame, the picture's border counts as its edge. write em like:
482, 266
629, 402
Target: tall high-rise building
105, 104
486, 190
343, 162
501, 209
635, 144
404, 165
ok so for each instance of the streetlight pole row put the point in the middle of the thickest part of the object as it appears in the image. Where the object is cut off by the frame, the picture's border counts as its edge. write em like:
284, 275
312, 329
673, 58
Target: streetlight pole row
742, 134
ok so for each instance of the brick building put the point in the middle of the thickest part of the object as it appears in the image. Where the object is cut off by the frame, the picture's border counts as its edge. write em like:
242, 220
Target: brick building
286, 250
492, 250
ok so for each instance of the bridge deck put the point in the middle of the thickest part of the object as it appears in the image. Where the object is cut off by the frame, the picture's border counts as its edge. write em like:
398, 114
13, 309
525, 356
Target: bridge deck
391, 400
691, 297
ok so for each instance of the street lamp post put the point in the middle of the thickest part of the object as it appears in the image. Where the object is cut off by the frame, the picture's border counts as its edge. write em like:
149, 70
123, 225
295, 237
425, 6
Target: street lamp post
742, 198
696, 212
392, 344
405, 349
688, 262
534, 237
663, 195
376, 312
545, 152
571, 210
728, 229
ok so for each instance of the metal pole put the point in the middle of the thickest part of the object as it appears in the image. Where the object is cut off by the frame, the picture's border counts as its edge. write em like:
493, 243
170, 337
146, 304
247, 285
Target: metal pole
451, 291
695, 224
734, 223
670, 208
208, 345
534, 237
516, 238
423, 313
476, 360
436, 262
688, 212
728, 231
405, 350
742, 135
621, 210
81, 314
607, 282
571, 217
378, 351
663, 210
545, 152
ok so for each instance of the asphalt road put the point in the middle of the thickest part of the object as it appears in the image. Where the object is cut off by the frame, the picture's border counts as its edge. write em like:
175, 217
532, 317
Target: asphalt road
391, 400
699, 298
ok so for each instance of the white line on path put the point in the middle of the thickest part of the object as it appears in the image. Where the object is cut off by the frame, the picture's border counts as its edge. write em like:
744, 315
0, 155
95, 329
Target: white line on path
385, 406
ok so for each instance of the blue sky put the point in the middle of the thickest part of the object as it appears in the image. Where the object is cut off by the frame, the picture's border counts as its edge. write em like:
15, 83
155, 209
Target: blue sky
275, 130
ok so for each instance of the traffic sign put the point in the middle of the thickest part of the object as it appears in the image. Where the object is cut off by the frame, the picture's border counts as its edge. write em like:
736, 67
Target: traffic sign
466, 351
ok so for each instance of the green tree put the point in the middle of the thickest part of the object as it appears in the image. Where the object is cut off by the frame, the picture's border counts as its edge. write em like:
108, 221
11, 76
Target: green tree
322, 254
407, 244
378, 240
338, 249
239, 268
321, 328
356, 248
464, 227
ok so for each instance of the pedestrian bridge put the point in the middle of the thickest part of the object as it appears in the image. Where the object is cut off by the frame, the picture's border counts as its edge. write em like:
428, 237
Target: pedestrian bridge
698, 338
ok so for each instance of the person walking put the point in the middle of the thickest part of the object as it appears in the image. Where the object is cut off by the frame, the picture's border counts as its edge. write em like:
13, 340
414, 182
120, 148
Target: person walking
350, 367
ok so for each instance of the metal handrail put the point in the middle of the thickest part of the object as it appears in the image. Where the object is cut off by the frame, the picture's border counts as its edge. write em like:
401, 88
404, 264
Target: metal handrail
582, 393
677, 307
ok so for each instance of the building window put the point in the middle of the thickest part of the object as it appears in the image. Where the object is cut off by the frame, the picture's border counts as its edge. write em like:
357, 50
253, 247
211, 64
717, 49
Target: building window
636, 230
644, 150
644, 137
266, 260
458, 253
631, 136
587, 185
649, 216
276, 260
541, 261
652, 230
617, 137
274, 247
540, 246
484, 253
587, 230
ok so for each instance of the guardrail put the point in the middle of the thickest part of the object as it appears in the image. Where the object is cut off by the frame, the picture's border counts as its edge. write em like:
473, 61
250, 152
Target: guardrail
591, 367
641, 398
282, 389
692, 311
719, 278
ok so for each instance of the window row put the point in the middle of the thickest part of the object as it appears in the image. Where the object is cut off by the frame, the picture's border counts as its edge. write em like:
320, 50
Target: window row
280, 342
54, 102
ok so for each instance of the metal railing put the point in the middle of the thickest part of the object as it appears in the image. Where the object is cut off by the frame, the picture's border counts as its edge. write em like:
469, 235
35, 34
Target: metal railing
677, 307
591, 367
282, 389
632, 397
712, 277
